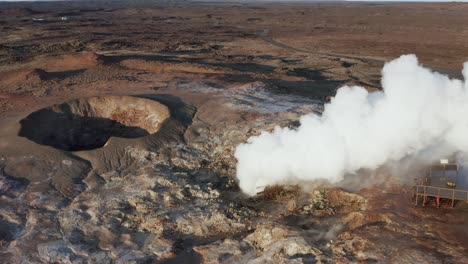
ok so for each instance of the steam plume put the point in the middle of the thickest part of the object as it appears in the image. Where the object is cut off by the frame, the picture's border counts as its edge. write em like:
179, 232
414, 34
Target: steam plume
417, 111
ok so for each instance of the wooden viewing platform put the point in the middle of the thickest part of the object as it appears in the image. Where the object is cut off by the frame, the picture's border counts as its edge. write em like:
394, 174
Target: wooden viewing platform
425, 191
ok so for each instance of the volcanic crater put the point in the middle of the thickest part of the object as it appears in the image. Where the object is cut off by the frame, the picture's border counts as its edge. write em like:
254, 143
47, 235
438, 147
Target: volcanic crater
88, 123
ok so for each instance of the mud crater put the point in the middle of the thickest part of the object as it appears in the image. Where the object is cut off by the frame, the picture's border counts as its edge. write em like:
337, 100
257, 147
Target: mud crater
88, 123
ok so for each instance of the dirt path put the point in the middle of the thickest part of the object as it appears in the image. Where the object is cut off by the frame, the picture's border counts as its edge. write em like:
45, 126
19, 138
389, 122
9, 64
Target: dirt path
264, 36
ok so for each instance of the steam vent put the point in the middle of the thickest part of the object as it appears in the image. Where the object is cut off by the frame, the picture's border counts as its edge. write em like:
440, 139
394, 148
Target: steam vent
88, 123
224, 132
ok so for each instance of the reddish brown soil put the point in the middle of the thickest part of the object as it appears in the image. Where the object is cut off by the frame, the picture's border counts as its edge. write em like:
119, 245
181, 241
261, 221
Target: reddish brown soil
304, 49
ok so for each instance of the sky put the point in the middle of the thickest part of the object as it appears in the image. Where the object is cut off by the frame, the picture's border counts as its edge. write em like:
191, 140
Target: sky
282, 0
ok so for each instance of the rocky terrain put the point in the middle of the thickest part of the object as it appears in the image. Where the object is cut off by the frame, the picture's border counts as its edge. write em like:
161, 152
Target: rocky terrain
118, 125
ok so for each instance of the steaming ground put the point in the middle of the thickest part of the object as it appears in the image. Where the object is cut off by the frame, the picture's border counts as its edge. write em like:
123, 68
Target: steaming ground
419, 113
139, 191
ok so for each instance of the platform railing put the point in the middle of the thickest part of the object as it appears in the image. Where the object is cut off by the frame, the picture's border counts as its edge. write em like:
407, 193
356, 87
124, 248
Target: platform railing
439, 192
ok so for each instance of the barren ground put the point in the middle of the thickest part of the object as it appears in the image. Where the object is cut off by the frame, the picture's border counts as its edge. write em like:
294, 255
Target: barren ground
118, 124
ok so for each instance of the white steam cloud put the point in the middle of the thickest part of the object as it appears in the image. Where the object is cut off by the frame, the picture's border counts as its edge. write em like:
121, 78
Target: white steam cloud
417, 111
